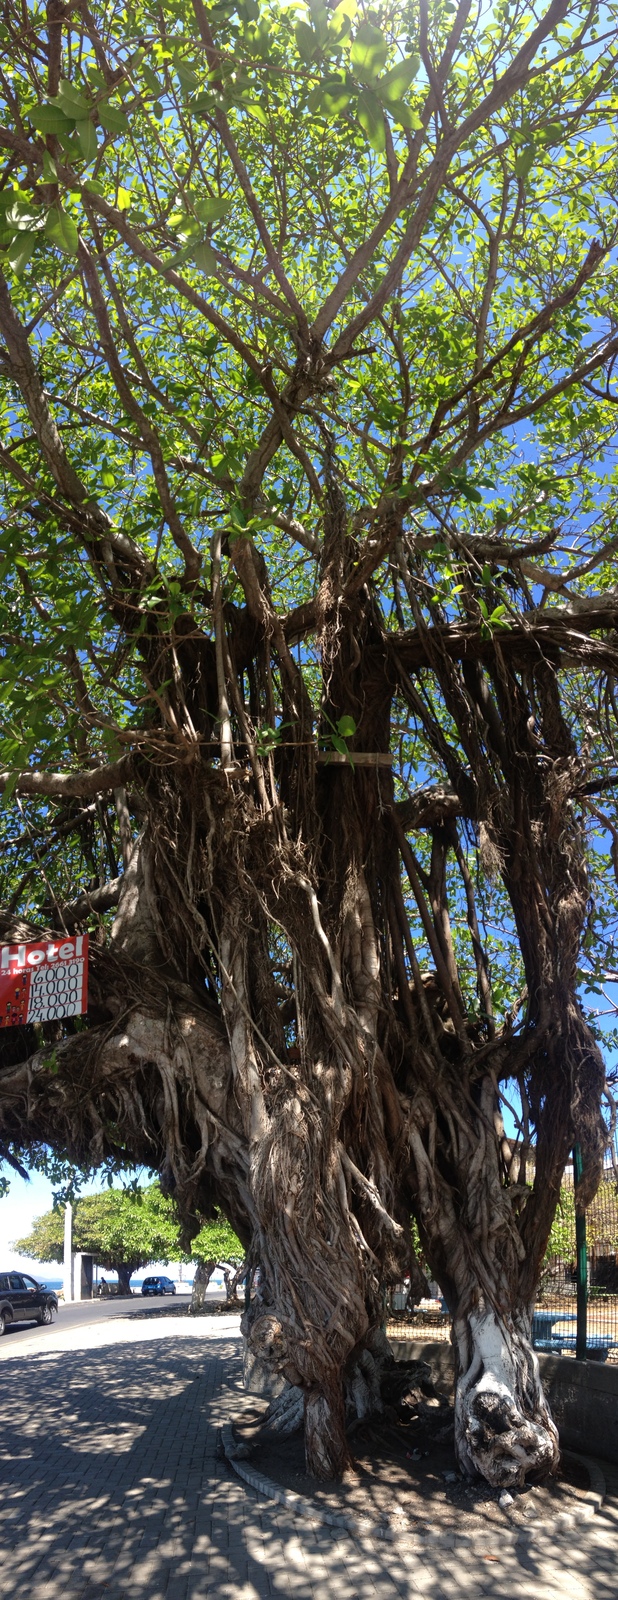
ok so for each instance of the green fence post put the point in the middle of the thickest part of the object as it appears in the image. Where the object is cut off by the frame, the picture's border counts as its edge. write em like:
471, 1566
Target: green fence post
582, 1264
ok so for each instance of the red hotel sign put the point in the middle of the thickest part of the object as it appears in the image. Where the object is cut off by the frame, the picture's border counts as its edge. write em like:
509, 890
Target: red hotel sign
43, 981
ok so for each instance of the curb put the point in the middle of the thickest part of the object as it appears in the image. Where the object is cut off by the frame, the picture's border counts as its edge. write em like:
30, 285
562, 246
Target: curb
562, 1524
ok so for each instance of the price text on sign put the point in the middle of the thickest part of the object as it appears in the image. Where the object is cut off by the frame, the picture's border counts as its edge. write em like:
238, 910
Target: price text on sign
41, 982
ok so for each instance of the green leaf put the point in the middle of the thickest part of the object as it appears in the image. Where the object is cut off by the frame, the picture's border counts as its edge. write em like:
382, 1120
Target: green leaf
62, 231
307, 42
150, 77
179, 258
188, 77
204, 105
267, 739
524, 161
87, 138
403, 116
12, 781
330, 98
369, 52
50, 119
123, 199
112, 118
553, 133
212, 208
50, 170
219, 464
371, 119
70, 146
204, 258
24, 217
341, 19
255, 110
346, 726
71, 101
396, 83
20, 251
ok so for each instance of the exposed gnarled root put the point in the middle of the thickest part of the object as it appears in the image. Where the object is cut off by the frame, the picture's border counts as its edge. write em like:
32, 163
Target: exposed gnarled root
503, 1427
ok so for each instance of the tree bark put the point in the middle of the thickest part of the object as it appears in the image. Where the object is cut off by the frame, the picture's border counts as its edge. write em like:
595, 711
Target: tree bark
503, 1427
124, 1279
232, 1280
203, 1275
327, 1451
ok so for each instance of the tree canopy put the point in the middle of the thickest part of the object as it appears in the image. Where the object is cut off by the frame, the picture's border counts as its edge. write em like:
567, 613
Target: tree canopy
126, 1229
122, 1228
309, 617
216, 1241
182, 201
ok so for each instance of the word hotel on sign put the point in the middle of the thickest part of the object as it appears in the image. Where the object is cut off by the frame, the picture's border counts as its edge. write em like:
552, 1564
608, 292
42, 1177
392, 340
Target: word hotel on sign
43, 981
16, 956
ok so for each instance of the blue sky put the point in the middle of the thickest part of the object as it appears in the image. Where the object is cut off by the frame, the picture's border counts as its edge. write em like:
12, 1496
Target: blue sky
18, 1208
27, 1200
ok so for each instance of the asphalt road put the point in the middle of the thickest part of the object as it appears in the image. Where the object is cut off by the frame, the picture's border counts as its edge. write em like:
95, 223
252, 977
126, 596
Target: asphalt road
87, 1311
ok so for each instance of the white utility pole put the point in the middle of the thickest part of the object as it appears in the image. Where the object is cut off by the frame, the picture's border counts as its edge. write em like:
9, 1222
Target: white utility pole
68, 1253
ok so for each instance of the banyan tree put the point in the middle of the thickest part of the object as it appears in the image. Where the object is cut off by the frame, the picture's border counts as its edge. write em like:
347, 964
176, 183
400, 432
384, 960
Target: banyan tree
307, 346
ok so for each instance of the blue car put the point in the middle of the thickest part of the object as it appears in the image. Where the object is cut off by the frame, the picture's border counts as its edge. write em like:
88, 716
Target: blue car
159, 1285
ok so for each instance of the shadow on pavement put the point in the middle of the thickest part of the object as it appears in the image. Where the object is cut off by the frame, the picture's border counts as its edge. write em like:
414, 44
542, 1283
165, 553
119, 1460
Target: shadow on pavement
112, 1485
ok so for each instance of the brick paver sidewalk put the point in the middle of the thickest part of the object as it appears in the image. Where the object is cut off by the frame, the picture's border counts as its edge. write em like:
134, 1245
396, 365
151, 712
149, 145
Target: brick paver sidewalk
113, 1488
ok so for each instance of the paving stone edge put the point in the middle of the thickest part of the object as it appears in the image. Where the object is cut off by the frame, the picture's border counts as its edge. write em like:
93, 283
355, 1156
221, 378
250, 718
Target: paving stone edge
302, 1506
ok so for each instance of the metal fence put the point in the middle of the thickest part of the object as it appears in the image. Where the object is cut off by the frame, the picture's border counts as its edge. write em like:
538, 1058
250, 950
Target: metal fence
576, 1310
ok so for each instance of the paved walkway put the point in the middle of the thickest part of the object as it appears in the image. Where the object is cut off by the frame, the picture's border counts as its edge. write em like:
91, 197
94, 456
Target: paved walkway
113, 1488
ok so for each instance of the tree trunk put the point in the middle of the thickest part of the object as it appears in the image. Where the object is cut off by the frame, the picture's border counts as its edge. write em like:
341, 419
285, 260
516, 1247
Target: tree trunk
203, 1275
232, 1280
124, 1279
503, 1427
326, 1446
373, 1093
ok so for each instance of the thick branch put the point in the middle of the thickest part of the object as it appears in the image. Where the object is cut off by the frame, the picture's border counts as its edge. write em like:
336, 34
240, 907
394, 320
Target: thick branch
563, 633
428, 807
92, 901
65, 785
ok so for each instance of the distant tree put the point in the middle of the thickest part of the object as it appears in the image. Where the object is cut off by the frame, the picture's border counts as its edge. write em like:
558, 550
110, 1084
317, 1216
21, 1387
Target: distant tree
217, 1241
601, 1226
124, 1229
215, 1245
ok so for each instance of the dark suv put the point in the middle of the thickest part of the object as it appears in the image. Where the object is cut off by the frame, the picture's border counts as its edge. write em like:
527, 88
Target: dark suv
22, 1299
158, 1285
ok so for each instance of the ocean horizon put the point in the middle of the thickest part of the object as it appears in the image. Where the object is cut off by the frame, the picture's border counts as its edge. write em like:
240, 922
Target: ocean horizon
58, 1283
